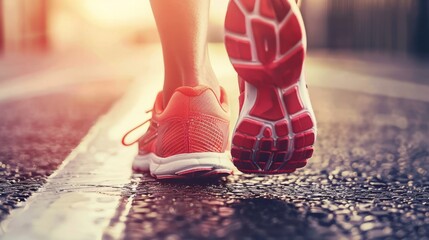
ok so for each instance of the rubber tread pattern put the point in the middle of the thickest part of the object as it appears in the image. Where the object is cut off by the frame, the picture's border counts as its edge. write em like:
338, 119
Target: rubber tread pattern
271, 145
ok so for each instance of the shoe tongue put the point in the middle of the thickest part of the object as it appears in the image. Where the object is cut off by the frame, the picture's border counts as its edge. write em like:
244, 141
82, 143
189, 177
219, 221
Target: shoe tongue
192, 91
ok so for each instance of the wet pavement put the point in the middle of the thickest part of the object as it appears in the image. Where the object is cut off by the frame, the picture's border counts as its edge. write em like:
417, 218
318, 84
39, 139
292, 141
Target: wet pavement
368, 178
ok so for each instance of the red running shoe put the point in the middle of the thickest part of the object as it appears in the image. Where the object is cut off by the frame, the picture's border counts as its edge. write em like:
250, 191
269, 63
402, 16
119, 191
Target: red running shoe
188, 138
276, 129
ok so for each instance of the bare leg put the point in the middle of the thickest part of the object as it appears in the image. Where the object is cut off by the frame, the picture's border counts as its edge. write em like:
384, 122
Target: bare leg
182, 26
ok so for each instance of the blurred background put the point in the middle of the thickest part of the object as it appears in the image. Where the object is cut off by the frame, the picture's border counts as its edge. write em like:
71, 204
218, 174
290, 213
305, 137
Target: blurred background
55, 43
48, 43
394, 27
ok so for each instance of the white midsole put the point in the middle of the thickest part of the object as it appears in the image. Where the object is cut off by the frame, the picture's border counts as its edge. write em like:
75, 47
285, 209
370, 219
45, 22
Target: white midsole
159, 166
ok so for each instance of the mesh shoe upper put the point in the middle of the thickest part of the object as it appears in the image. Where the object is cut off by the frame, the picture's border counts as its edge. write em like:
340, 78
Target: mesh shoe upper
193, 121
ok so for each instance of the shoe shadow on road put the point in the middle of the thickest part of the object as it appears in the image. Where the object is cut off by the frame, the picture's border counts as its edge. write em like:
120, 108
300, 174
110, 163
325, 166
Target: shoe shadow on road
215, 209
263, 218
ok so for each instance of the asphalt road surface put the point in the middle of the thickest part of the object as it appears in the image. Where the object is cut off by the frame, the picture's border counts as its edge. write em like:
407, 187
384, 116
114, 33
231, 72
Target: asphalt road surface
368, 178
38, 133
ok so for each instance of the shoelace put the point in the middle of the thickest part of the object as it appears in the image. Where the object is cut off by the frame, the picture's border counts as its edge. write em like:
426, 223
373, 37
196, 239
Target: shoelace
124, 138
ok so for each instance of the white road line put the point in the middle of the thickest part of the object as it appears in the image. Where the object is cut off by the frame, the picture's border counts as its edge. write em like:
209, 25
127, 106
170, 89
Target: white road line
332, 77
80, 198
335, 78
318, 75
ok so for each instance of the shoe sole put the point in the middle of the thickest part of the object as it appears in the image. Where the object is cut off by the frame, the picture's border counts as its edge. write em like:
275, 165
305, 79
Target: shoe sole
276, 129
185, 166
